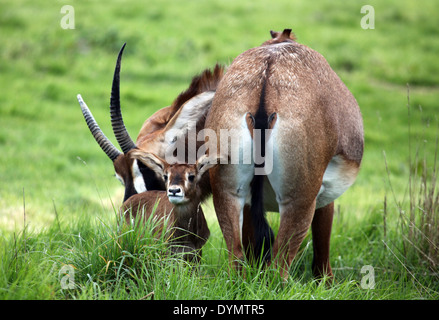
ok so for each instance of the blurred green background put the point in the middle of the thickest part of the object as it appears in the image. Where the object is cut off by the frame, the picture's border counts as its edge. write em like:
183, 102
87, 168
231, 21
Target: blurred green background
47, 151
55, 180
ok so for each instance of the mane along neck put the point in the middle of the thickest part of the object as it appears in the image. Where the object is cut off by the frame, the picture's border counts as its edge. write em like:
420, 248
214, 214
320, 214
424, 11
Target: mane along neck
207, 80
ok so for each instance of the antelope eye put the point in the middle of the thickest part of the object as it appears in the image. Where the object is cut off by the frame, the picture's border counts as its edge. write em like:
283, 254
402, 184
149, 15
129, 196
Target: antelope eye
191, 178
165, 177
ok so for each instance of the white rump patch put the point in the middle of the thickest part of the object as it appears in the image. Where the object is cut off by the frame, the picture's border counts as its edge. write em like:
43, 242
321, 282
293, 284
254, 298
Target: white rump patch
277, 174
241, 156
338, 177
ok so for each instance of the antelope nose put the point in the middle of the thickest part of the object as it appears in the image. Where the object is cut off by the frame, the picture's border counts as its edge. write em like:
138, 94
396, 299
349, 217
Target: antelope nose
174, 191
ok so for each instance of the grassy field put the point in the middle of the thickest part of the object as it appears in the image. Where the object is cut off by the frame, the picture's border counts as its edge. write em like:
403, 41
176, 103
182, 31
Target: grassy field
58, 194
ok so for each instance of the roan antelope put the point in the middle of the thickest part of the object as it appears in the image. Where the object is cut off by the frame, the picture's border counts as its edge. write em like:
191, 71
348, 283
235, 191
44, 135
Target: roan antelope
316, 141
180, 203
188, 108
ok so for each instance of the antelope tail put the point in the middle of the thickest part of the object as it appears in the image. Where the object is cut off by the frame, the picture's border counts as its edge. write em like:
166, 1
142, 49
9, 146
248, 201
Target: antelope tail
263, 234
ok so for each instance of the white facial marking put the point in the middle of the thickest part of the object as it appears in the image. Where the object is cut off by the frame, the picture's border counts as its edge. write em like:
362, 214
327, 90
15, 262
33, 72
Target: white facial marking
176, 194
176, 199
139, 182
118, 177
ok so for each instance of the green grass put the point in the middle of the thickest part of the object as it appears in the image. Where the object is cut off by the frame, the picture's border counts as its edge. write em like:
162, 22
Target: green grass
58, 195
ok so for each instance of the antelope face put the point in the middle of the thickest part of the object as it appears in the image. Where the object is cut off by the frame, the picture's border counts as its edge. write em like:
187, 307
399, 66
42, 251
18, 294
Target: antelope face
135, 176
180, 180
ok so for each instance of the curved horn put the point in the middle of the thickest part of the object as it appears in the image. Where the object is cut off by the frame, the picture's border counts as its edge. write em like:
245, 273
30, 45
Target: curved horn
105, 144
121, 133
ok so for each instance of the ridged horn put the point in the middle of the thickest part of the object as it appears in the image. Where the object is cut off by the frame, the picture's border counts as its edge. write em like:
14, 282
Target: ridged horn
121, 133
105, 144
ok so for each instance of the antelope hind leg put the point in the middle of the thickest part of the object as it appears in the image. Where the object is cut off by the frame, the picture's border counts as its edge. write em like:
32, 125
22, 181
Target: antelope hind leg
321, 233
294, 225
230, 196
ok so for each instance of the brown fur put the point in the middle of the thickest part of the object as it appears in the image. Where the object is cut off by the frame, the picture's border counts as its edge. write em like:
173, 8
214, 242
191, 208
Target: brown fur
190, 230
278, 37
318, 118
154, 126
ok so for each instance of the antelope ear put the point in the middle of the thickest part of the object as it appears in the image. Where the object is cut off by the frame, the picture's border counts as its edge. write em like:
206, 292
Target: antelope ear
204, 163
274, 34
150, 160
187, 117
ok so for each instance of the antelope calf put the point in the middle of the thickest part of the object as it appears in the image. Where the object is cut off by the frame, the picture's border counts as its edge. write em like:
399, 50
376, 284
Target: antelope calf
180, 203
